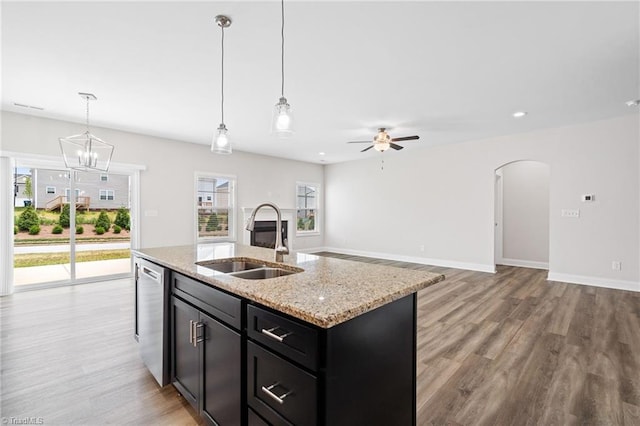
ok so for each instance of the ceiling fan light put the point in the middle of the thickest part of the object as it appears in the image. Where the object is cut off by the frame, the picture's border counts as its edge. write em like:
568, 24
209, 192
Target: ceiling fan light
282, 123
381, 146
220, 143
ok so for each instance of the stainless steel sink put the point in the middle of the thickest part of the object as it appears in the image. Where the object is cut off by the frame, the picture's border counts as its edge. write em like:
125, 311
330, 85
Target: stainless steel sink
263, 273
248, 269
230, 265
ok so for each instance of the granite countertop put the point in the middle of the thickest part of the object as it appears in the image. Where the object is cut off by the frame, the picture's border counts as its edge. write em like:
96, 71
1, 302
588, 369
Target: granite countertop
329, 291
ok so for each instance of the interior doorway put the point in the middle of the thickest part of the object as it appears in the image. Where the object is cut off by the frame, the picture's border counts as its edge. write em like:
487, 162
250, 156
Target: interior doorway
521, 214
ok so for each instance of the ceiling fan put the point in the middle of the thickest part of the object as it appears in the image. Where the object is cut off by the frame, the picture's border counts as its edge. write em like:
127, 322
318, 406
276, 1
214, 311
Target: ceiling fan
382, 141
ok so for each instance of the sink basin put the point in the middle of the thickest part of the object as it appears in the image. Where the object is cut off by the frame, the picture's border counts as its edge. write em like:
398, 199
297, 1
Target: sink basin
263, 273
248, 269
230, 265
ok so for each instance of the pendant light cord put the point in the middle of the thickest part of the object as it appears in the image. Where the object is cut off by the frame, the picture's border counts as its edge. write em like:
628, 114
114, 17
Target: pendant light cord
87, 98
282, 49
222, 83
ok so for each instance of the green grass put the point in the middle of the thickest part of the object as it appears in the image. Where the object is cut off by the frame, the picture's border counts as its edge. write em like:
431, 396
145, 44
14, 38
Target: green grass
43, 241
41, 259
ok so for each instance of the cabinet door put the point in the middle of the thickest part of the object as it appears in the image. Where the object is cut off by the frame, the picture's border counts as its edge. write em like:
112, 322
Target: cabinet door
185, 363
221, 386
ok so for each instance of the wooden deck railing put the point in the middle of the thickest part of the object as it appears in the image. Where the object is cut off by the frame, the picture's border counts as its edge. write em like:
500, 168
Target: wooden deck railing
82, 202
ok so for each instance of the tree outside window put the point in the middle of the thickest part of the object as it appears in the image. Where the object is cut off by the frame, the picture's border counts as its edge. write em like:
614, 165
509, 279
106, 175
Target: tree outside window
215, 207
307, 207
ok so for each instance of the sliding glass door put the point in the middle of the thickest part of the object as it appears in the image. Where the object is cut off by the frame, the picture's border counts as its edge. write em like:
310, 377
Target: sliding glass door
71, 226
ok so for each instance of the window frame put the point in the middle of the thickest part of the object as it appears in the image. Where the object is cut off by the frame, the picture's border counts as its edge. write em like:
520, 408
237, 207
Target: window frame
317, 230
233, 209
46, 190
107, 191
67, 193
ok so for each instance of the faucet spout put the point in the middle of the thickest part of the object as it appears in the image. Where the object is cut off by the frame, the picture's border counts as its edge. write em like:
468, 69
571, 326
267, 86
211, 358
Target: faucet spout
280, 247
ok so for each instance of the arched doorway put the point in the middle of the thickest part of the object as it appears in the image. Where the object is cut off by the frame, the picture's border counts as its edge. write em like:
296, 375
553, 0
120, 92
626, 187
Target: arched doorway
522, 214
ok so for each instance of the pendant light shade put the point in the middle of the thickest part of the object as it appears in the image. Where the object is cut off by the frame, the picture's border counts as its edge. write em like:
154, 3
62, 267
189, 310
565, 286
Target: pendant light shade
282, 121
220, 143
85, 151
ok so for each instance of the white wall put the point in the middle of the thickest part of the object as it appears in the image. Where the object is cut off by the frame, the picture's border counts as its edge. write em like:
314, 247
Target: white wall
525, 213
442, 198
167, 184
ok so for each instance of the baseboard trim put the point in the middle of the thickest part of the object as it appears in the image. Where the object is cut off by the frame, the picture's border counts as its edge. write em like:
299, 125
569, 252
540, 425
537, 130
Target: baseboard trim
595, 281
412, 259
311, 250
523, 263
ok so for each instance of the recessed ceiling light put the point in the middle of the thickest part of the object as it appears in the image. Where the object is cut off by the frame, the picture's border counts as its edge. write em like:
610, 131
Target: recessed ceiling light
633, 102
519, 114
321, 153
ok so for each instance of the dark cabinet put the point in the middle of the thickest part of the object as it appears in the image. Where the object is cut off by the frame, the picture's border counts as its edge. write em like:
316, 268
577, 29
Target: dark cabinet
221, 386
359, 372
241, 363
207, 358
186, 366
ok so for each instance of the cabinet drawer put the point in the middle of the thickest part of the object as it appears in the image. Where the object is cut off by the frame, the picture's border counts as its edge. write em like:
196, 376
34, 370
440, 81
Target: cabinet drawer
279, 391
211, 300
291, 339
254, 419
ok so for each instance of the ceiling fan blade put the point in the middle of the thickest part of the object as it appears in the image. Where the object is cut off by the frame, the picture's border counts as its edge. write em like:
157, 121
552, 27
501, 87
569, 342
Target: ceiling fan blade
367, 149
396, 146
359, 142
405, 138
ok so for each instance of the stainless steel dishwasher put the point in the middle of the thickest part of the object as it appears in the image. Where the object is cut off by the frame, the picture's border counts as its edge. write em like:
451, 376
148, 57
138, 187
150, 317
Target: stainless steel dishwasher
152, 306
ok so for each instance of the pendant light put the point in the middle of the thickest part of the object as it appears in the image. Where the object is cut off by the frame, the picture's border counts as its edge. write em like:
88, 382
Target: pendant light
282, 122
220, 143
85, 151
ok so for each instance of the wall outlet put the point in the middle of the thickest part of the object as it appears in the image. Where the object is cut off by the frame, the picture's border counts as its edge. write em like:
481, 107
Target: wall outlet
571, 213
616, 265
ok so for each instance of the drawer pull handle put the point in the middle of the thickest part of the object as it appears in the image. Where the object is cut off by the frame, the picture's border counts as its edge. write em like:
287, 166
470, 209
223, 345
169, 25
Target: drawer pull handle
278, 399
197, 339
191, 332
270, 333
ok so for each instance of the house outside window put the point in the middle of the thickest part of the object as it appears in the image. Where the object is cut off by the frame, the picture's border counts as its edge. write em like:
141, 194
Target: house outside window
307, 206
51, 190
67, 193
215, 206
107, 195
104, 178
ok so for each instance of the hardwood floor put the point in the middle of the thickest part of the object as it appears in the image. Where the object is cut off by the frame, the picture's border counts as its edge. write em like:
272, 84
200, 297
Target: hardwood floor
493, 349
68, 356
512, 348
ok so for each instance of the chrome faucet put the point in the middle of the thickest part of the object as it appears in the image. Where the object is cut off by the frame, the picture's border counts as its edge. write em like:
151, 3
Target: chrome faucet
281, 247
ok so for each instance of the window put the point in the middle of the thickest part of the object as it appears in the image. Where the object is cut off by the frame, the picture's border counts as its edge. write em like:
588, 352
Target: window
307, 208
67, 193
215, 198
107, 195
51, 189
104, 178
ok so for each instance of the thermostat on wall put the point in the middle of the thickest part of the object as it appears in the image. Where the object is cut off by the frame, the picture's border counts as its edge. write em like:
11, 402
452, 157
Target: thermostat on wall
588, 197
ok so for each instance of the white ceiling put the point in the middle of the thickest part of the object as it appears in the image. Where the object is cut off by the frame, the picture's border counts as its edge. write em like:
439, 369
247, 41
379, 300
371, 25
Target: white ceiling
447, 71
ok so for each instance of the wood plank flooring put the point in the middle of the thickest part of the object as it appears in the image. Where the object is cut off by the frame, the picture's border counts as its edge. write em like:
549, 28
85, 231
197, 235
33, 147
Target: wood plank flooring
493, 349
512, 348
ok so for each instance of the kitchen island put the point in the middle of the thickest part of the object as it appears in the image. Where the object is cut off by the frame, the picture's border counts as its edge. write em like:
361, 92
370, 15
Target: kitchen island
334, 344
